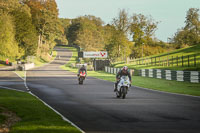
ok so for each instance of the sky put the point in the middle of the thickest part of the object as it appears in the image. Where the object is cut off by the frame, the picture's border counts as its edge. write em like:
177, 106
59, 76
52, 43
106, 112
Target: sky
169, 13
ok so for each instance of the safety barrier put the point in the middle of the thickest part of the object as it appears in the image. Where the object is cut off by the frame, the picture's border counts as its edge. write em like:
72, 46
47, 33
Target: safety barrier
191, 76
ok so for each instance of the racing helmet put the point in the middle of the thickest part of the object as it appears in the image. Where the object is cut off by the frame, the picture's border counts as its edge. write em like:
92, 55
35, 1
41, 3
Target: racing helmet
125, 68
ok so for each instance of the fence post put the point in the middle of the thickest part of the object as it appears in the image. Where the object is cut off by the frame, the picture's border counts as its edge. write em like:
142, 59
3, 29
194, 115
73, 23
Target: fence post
182, 61
163, 63
159, 61
167, 61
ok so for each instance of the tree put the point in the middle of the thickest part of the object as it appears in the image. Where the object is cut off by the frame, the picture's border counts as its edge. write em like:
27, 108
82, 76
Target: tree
86, 32
45, 18
8, 45
117, 44
25, 31
190, 33
122, 22
142, 29
63, 27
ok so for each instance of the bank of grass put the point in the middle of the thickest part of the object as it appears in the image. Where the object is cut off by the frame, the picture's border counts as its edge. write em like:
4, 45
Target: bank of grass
145, 82
35, 116
40, 61
192, 50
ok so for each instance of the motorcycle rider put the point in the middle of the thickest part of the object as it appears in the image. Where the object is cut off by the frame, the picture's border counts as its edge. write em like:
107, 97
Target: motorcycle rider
123, 72
82, 69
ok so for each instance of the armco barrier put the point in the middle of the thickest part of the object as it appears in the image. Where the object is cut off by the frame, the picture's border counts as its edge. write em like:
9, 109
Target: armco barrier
191, 76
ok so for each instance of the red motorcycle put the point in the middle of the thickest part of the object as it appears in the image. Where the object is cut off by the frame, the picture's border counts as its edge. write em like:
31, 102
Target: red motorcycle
81, 77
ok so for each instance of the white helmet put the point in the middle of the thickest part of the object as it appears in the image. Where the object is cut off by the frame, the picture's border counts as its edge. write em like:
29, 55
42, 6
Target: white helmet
125, 68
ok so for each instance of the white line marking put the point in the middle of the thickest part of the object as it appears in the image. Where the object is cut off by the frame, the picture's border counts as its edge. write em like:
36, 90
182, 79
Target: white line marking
64, 118
18, 75
12, 89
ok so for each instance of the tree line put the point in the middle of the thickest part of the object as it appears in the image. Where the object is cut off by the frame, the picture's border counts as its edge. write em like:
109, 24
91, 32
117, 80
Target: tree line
190, 33
130, 35
28, 27
32, 27
126, 36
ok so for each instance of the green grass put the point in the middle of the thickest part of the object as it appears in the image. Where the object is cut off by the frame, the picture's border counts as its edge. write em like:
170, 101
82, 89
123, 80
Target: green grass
192, 50
145, 82
35, 116
41, 61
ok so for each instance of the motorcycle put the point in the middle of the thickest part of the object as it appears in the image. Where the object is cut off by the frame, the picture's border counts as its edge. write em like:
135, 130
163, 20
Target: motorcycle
122, 87
81, 77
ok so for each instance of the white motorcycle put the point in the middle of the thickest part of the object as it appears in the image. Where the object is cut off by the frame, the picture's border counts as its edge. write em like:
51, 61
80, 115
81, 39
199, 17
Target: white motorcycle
123, 86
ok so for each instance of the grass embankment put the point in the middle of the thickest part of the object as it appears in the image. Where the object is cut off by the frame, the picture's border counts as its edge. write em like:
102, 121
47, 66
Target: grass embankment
191, 51
145, 82
40, 61
35, 116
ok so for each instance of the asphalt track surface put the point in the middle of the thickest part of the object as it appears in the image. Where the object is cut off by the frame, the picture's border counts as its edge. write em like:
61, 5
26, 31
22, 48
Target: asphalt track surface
94, 107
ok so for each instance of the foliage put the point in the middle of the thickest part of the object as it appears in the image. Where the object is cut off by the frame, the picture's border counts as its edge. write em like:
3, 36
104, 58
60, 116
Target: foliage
63, 27
175, 54
118, 46
190, 33
8, 45
86, 32
25, 31
142, 28
45, 19
122, 21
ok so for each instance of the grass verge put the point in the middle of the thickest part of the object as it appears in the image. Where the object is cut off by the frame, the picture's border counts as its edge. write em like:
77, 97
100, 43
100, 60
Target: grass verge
35, 116
38, 63
41, 61
145, 82
189, 51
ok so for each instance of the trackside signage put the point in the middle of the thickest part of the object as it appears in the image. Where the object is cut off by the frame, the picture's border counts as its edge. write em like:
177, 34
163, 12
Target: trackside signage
100, 54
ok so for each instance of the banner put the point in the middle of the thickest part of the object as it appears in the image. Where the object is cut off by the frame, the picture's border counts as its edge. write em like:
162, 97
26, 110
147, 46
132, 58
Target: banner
100, 54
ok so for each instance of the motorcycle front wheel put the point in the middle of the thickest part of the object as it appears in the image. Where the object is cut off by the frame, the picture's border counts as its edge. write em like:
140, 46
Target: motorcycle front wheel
123, 90
81, 81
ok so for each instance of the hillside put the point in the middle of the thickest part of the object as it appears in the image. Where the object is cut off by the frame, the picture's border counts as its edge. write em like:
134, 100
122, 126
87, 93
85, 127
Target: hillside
181, 59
